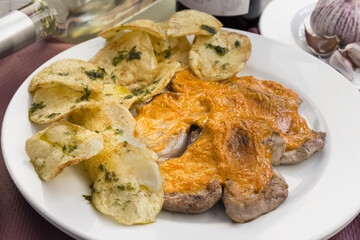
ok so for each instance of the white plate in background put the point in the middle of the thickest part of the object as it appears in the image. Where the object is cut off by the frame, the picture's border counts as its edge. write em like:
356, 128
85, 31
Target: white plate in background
323, 194
282, 20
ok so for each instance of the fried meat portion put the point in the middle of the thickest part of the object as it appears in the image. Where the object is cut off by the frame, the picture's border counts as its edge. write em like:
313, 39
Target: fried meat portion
247, 125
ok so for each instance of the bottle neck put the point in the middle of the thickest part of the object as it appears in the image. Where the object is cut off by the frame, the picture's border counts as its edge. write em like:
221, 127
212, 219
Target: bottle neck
22, 27
39, 13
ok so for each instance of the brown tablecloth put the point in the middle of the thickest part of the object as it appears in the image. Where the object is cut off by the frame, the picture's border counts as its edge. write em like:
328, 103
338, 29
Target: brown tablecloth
18, 220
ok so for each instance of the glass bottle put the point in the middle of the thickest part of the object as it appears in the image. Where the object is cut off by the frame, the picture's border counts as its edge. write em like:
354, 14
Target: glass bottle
67, 20
238, 14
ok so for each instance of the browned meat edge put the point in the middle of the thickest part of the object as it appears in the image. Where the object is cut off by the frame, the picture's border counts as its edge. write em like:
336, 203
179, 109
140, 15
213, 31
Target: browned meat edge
247, 208
193, 203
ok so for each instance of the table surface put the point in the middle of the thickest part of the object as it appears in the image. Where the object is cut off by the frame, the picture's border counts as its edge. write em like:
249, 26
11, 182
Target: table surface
18, 220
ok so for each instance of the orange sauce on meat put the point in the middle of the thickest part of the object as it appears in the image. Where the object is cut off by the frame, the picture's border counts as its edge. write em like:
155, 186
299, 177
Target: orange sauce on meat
235, 115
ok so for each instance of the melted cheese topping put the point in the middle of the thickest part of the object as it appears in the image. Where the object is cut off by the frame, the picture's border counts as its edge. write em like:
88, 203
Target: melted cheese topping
236, 116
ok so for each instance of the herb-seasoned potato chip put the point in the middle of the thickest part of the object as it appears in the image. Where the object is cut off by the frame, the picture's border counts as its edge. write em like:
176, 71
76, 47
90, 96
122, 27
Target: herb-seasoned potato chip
145, 25
117, 94
61, 145
192, 22
129, 186
54, 103
129, 60
220, 56
127, 181
72, 73
172, 50
165, 74
111, 117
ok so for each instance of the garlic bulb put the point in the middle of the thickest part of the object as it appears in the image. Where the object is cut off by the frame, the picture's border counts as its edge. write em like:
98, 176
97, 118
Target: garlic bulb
337, 17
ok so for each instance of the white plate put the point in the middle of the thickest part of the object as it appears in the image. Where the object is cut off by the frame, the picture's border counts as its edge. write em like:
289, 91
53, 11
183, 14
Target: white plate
323, 190
282, 20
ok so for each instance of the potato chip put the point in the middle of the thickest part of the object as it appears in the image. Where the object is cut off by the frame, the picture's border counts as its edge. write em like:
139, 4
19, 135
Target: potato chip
144, 25
192, 22
127, 181
163, 26
220, 56
128, 60
165, 73
172, 50
54, 103
61, 145
129, 186
72, 73
117, 94
111, 117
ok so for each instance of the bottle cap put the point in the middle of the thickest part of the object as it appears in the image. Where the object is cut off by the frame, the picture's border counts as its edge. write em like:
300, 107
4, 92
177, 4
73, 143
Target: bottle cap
16, 31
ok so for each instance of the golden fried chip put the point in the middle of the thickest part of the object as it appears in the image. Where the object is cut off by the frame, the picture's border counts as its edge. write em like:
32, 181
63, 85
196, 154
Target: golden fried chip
165, 73
172, 50
163, 26
54, 103
129, 186
128, 60
117, 94
127, 181
145, 25
111, 117
72, 73
61, 145
220, 56
192, 22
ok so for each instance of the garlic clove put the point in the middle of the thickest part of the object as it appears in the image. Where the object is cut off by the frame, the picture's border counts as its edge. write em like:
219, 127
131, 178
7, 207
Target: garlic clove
352, 50
323, 45
342, 64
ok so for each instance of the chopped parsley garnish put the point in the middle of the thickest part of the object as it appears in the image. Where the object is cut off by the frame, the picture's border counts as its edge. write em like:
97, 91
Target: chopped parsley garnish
221, 51
102, 167
156, 81
119, 132
128, 96
88, 197
209, 29
69, 148
133, 54
95, 74
85, 96
63, 74
237, 43
224, 66
52, 115
126, 55
37, 106
137, 91
121, 55
109, 176
168, 53
128, 186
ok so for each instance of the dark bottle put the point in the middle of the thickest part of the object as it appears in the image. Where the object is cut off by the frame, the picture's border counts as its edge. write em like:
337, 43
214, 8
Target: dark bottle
238, 14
